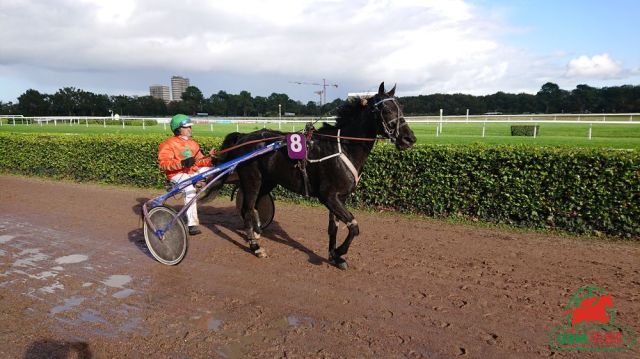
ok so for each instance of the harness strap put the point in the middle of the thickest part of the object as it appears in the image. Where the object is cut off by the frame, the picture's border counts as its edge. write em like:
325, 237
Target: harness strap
305, 178
351, 167
385, 100
344, 159
330, 156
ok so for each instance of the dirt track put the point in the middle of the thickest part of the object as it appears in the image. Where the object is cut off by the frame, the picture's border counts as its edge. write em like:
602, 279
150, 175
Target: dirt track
77, 281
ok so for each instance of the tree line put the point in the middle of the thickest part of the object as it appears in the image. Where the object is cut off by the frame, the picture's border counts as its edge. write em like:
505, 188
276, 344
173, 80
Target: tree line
70, 101
549, 99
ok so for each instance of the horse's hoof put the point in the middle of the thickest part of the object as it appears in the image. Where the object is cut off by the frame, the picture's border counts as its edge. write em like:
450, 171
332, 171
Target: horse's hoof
256, 235
339, 263
260, 253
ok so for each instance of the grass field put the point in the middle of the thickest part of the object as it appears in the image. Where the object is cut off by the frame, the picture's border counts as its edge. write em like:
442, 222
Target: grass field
623, 136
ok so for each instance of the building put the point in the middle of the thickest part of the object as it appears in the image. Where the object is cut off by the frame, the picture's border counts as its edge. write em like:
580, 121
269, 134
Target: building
161, 92
178, 87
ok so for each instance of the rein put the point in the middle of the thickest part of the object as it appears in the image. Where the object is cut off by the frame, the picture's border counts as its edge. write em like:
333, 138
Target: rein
215, 153
352, 138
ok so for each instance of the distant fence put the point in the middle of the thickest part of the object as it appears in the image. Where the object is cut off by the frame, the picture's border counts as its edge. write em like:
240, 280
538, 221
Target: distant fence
438, 120
558, 118
530, 119
553, 117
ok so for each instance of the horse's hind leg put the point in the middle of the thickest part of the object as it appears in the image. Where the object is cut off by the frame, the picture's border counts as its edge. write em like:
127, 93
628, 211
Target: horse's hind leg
265, 188
251, 218
252, 237
254, 246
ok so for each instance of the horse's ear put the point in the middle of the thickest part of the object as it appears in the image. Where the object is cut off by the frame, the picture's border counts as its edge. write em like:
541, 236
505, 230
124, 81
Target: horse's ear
381, 88
393, 91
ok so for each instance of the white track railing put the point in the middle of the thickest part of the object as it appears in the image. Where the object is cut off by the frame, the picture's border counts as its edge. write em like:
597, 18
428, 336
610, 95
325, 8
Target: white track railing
439, 121
604, 117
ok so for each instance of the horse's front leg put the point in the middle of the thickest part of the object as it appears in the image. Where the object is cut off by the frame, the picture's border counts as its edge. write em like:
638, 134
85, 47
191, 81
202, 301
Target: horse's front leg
333, 231
337, 208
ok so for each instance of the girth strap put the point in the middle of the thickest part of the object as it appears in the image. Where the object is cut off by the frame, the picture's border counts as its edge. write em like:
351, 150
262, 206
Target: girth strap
305, 178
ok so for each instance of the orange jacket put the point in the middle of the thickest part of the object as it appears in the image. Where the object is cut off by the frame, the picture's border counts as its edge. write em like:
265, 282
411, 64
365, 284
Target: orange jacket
175, 149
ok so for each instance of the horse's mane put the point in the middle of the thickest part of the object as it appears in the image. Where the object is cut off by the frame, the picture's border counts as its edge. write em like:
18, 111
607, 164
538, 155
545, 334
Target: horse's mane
346, 113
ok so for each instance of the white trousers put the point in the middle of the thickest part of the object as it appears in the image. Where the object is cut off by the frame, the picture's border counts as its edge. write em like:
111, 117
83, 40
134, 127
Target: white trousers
189, 194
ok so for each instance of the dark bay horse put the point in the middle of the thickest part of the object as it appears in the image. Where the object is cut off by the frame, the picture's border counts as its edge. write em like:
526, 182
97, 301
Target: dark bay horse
335, 161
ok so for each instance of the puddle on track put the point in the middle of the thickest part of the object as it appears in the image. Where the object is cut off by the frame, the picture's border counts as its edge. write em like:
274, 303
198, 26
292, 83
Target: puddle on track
123, 293
68, 304
214, 324
117, 280
73, 258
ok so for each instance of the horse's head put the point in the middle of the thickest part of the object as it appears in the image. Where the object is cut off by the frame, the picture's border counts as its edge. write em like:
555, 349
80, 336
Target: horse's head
390, 120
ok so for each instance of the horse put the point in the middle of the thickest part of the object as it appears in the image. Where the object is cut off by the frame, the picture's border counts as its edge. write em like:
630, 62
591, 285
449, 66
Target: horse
335, 158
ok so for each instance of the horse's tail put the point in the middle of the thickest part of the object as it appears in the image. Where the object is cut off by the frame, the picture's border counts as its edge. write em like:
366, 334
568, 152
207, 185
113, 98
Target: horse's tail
229, 140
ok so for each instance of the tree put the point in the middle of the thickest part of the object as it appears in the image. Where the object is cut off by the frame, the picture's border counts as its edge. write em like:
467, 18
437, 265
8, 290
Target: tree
245, 103
217, 104
101, 105
260, 105
193, 100
312, 109
328, 109
584, 98
277, 104
8, 108
121, 105
65, 102
151, 106
551, 97
33, 103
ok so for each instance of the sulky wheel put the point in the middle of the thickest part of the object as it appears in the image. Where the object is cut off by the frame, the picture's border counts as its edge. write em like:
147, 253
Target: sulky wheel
265, 206
171, 249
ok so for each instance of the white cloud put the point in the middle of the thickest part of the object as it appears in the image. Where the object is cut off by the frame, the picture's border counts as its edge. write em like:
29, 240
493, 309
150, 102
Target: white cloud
598, 66
425, 46
114, 12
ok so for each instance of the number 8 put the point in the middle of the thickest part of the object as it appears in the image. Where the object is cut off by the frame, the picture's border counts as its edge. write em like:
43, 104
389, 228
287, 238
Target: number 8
296, 143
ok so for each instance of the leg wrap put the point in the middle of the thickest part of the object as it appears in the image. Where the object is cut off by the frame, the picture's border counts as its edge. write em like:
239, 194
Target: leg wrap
353, 227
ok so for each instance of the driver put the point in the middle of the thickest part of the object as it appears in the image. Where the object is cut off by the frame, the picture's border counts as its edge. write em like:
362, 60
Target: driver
180, 158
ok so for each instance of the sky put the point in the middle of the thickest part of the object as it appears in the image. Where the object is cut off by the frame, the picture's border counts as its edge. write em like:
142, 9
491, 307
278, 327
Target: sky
477, 47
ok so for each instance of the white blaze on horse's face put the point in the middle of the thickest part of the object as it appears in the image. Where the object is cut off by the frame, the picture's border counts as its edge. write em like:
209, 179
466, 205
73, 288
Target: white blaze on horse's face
392, 120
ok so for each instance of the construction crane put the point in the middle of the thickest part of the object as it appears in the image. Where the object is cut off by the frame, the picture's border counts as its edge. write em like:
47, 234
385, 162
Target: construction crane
322, 93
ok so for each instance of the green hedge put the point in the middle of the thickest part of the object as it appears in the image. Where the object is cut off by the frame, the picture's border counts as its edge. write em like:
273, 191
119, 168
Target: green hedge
113, 159
577, 190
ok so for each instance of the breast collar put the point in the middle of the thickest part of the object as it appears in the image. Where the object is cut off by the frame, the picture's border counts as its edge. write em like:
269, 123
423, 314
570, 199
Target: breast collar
344, 159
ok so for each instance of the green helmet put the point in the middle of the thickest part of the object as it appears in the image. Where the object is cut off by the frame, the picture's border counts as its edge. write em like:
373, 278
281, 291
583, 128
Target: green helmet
180, 120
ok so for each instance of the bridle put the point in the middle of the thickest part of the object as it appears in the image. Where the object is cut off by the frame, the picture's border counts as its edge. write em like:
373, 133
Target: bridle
390, 127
